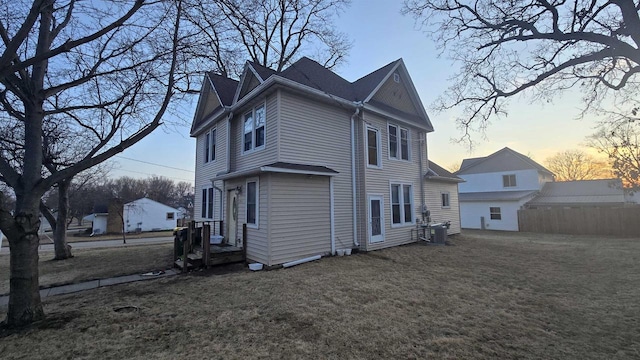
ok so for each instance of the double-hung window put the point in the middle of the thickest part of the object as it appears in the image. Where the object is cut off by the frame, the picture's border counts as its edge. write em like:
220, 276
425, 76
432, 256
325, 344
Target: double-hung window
373, 147
509, 180
401, 204
254, 129
252, 203
398, 142
445, 200
495, 213
207, 203
210, 146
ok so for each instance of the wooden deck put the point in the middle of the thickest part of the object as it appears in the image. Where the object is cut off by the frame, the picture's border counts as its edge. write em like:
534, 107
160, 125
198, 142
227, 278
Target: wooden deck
207, 254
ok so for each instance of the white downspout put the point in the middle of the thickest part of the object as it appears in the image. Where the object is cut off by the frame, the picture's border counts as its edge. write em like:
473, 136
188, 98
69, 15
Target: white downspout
422, 141
228, 150
353, 174
332, 220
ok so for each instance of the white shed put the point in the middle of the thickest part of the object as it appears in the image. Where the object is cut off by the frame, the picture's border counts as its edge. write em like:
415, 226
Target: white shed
148, 215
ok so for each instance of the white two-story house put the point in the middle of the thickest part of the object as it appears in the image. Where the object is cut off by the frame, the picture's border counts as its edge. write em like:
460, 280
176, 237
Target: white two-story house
496, 187
309, 161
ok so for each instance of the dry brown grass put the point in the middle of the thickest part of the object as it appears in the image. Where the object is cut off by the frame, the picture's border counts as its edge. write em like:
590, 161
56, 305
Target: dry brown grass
89, 264
491, 296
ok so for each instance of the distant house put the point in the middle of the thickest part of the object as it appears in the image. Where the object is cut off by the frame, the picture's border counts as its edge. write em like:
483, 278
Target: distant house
582, 193
496, 187
98, 219
441, 192
139, 215
148, 215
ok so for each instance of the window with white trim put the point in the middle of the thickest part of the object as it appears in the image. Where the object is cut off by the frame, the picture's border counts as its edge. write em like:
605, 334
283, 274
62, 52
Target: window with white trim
494, 213
445, 200
252, 202
207, 203
254, 129
210, 146
373, 147
509, 180
401, 204
398, 142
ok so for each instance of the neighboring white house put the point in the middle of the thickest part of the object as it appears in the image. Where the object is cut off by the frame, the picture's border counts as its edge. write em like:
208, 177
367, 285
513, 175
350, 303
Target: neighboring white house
309, 161
496, 187
441, 193
148, 215
579, 193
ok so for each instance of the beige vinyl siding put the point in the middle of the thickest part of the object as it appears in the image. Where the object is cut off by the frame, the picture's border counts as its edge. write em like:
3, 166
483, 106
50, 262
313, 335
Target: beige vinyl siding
396, 95
300, 223
378, 182
257, 240
249, 84
207, 171
318, 133
268, 154
210, 101
433, 191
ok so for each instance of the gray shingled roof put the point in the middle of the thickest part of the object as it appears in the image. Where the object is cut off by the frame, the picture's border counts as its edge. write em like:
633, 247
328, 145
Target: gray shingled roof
436, 172
495, 195
225, 87
474, 165
582, 192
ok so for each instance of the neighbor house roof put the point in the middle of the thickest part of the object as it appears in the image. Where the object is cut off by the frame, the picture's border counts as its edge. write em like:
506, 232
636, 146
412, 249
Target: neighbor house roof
605, 192
496, 195
312, 75
438, 173
504, 159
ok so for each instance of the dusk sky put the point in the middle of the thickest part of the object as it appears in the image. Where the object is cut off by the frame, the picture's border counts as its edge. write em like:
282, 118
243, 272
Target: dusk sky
380, 35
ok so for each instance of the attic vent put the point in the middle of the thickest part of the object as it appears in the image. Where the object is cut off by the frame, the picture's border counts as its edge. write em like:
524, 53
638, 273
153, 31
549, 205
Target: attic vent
396, 77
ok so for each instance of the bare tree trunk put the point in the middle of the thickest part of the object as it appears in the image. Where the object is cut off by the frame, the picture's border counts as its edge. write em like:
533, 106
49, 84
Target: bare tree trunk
25, 304
62, 249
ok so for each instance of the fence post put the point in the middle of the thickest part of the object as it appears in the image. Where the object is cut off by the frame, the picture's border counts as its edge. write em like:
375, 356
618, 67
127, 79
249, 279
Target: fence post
206, 245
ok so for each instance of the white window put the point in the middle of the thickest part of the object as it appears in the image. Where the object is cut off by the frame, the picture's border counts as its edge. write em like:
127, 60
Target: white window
373, 147
252, 203
254, 131
170, 216
398, 143
509, 180
445, 200
495, 214
210, 146
401, 204
207, 203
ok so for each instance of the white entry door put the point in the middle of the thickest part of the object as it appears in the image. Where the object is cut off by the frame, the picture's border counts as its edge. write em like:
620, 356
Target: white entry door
376, 218
232, 218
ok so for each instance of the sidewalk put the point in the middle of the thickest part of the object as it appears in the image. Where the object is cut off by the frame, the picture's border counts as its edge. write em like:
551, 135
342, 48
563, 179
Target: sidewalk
94, 284
103, 244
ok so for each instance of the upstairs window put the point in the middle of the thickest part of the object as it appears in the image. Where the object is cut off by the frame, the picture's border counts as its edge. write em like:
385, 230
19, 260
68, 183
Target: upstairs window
254, 129
210, 146
509, 180
445, 200
207, 140
373, 147
212, 153
398, 143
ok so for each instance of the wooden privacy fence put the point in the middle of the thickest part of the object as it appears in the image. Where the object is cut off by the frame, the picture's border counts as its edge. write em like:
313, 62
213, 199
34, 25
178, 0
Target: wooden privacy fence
619, 221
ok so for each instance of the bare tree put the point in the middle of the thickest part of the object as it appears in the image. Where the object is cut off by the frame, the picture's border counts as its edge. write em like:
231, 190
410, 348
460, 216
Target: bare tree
271, 33
538, 48
621, 143
107, 72
572, 165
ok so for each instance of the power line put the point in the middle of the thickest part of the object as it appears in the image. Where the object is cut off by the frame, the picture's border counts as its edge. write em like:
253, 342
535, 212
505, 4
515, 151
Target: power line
148, 174
150, 163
